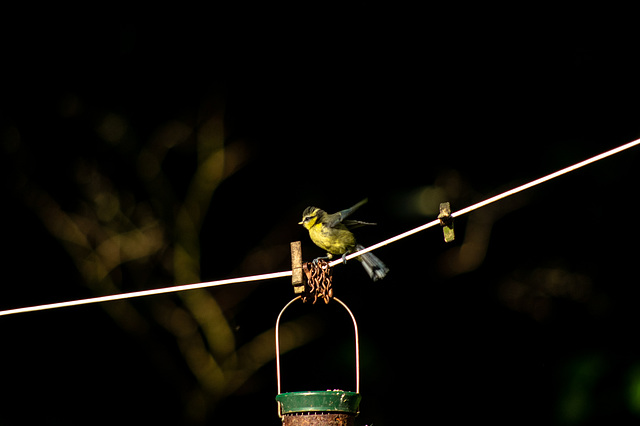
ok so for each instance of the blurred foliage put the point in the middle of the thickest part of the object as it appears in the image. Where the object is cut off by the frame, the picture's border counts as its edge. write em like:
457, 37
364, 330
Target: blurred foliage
145, 231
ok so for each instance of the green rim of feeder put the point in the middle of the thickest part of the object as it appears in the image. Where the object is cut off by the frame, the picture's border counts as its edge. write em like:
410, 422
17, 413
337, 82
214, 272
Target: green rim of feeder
333, 401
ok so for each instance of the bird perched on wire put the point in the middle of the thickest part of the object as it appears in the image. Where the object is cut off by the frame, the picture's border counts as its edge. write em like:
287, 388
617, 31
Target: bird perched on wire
331, 232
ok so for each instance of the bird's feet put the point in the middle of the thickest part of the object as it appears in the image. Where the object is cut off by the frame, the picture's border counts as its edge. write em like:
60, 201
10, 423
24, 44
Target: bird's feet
318, 259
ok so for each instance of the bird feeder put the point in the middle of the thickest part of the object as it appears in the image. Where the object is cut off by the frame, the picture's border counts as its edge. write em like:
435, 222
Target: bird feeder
318, 408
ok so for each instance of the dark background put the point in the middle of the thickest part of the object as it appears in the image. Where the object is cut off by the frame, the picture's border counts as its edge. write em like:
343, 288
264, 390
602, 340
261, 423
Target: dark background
529, 317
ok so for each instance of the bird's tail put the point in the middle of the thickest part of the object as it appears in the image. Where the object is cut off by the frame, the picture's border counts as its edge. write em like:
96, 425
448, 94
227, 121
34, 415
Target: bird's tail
376, 269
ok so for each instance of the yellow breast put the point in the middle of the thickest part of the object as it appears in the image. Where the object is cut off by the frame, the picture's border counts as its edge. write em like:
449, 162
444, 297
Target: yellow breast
337, 240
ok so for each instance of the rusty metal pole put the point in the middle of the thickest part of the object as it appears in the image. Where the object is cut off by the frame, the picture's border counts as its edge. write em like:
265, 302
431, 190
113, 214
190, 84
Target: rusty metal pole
327, 419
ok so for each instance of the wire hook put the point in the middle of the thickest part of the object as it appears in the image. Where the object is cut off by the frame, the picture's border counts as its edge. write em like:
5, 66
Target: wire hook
357, 342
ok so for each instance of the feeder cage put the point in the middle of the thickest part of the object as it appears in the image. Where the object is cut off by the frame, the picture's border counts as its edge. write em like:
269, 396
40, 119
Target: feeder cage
318, 408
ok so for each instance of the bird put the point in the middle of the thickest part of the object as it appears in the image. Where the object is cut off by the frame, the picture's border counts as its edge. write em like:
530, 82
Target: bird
331, 232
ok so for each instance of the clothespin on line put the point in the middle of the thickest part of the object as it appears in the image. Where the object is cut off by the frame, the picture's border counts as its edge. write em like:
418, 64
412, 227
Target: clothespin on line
446, 221
311, 281
297, 278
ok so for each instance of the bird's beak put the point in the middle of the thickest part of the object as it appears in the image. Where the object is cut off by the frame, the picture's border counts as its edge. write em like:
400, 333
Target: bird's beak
300, 223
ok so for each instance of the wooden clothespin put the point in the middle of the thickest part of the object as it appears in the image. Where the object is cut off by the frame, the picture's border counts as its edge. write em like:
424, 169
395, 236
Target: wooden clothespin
297, 278
446, 221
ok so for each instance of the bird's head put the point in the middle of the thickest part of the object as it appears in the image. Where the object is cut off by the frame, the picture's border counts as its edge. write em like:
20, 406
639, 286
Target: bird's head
310, 216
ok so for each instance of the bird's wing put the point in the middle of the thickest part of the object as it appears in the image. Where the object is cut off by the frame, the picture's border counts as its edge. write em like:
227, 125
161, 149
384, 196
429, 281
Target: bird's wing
351, 224
339, 217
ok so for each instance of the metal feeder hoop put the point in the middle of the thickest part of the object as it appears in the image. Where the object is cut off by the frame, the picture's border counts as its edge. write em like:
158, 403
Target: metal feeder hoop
357, 347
